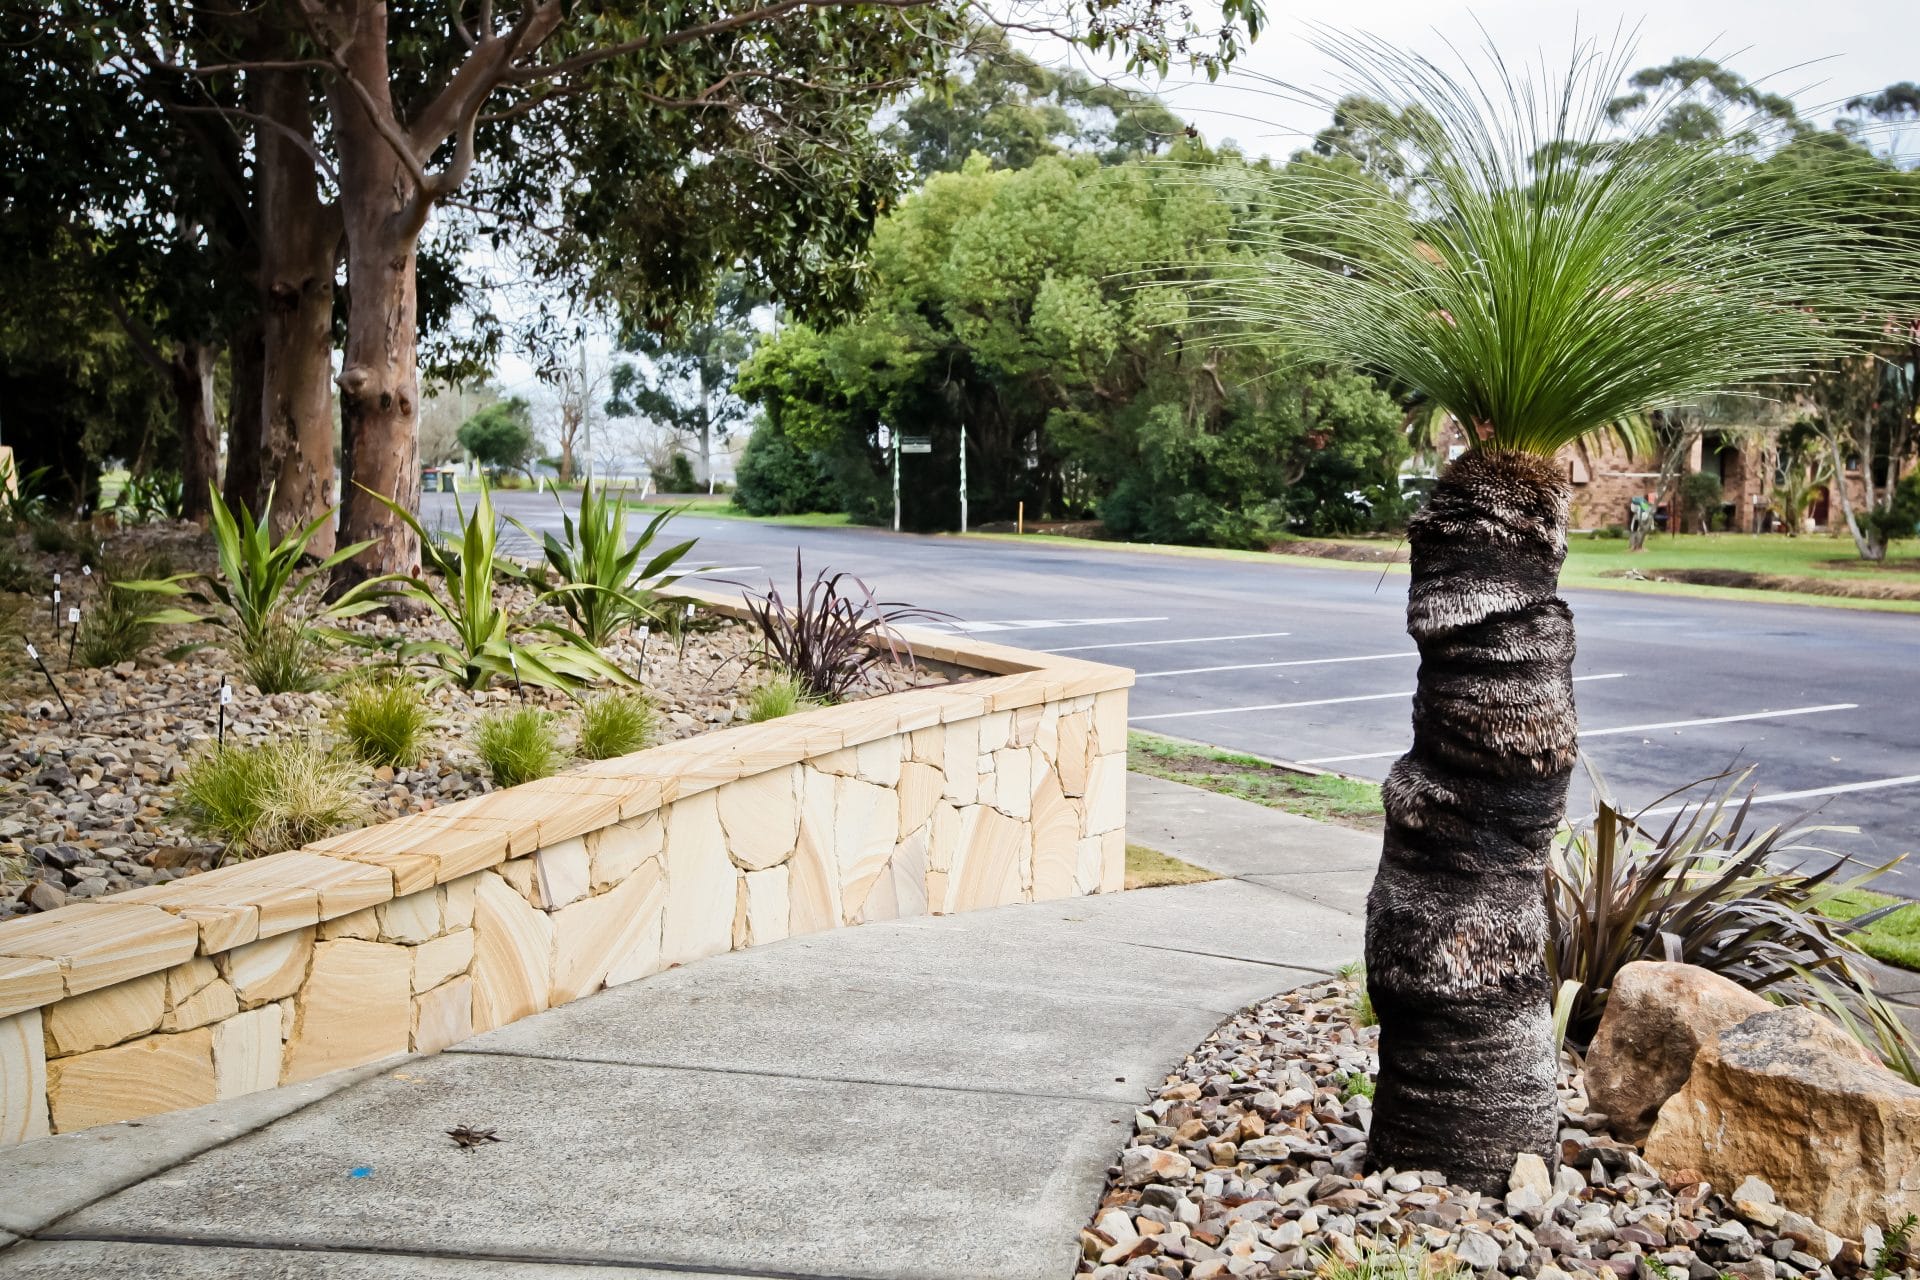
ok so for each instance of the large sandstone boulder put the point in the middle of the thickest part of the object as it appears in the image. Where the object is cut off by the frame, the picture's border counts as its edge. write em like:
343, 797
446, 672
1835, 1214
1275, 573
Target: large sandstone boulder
1788, 1097
1658, 1017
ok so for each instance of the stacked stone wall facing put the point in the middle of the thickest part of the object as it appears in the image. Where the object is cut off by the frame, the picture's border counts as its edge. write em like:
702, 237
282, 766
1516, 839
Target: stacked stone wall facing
417, 934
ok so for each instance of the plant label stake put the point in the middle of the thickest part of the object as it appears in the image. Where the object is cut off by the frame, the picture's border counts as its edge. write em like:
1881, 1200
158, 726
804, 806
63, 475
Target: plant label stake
518, 688
73, 637
645, 631
34, 654
55, 610
226, 696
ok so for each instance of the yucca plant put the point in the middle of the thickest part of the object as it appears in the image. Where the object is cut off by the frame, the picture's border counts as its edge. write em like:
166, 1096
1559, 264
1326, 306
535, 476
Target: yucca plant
1549, 276
157, 495
832, 633
1700, 883
487, 643
605, 586
256, 596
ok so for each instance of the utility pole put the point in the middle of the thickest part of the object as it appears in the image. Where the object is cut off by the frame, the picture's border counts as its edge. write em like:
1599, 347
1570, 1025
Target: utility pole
963, 479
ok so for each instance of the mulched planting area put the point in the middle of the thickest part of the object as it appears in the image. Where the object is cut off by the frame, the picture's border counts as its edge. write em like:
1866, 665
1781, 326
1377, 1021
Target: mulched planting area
1249, 1161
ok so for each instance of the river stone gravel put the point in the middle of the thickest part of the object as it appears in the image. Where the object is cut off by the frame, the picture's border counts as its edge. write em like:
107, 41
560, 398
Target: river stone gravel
1249, 1161
84, 804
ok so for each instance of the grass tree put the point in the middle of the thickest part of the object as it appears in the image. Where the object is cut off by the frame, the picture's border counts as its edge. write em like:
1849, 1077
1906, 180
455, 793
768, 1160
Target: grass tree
1548, 276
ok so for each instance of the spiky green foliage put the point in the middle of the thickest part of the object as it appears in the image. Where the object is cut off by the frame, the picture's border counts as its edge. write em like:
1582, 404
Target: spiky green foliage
1703, 886
256, 596
114, 626
519, 745
603, 584
615, 724
489, 638
384, 721
261, 798
1550, 275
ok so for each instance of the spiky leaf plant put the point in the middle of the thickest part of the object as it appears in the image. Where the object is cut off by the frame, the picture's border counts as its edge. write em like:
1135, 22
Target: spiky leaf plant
1548, 277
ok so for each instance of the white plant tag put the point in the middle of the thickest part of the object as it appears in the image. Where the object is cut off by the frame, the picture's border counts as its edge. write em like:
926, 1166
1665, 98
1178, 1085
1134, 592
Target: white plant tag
73, 616
226, 695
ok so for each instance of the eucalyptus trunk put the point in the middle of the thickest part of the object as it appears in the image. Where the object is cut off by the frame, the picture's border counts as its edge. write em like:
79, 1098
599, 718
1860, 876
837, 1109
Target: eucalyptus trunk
246, 358
1456, 920
382, 215
191, 371
299, 252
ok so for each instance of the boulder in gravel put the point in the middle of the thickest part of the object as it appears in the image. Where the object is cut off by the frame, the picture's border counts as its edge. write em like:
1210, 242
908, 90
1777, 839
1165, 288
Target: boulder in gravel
1787, 1095
1658, 1016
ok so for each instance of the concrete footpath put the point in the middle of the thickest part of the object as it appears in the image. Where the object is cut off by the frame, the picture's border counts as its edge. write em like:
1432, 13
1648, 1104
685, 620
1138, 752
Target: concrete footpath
916, 1099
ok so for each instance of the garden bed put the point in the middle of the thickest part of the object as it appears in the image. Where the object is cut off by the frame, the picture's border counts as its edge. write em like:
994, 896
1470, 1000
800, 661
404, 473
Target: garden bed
88, 804
1248, 1161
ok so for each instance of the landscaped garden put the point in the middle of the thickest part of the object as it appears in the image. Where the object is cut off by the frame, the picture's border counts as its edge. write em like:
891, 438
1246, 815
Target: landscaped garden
189, 699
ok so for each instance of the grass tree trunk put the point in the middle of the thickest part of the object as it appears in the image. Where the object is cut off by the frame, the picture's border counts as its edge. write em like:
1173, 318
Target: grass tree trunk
382, 215
300, 248
1456, 921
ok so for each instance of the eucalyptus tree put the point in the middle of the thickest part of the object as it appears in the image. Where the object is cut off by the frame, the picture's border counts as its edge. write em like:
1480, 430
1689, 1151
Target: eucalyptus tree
1551, 276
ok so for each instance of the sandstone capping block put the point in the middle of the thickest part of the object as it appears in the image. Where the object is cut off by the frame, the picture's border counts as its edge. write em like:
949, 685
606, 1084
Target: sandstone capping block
1657, 1018
1787, 1096
420, 932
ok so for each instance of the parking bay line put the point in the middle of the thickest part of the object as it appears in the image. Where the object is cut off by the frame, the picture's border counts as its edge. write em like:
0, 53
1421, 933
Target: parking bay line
1630, 728
1780, 797
1256, 666
1142, 644
1318, 702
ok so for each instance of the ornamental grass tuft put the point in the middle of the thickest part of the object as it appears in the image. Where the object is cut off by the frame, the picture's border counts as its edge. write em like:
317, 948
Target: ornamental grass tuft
384, 722
261, 798
519, 745
615, 724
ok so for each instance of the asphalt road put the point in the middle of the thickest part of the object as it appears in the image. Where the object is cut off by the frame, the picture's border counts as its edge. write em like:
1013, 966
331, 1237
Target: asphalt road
1314, 665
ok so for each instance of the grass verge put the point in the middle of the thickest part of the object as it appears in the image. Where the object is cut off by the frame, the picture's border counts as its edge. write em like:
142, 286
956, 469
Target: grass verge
1893, 940
1151, 869
1326, 797
724, 509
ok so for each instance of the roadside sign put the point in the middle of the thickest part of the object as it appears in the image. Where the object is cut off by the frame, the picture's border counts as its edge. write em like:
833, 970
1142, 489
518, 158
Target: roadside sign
916, 444
886, 436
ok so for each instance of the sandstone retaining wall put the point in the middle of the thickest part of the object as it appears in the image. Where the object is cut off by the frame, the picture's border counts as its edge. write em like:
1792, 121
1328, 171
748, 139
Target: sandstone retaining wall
414, 935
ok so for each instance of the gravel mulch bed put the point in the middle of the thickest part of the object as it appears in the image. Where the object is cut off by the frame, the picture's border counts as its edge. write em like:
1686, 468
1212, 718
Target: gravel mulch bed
1248, 1162
85, 803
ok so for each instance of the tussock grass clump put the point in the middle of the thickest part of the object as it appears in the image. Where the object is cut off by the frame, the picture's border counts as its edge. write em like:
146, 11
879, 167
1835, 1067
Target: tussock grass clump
114, 628
518, 746
781, 696
281, 656
384, 722
269, 797
615, 724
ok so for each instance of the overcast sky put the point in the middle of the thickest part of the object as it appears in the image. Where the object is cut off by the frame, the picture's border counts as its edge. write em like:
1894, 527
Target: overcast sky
1815, 52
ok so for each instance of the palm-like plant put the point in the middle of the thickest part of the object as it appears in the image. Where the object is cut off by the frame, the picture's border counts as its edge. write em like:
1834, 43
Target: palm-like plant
604, 586
488, 638
1548, 278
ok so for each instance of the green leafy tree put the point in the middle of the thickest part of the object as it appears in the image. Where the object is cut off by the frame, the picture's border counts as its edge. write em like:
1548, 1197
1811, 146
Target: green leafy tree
1557, 278
500, 436
685, 379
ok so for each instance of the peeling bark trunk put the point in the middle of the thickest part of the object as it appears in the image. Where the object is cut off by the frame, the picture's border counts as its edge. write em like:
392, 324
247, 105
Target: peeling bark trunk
383, 212
247, 364
1456, 920
191, 372
300, 249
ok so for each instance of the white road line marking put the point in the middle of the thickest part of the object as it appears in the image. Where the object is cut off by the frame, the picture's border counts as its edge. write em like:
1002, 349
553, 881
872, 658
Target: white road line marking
1035, 624
1780, 797
1255, 666
1141, 644
1631, 728
1319, 702
726, 568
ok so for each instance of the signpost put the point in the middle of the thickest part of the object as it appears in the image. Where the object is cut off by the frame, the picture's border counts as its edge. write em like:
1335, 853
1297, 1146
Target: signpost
963, 479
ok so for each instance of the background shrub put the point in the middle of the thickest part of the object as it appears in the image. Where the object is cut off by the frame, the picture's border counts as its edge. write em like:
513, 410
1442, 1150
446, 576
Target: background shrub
519, 745
615, 724
779, 478
384, 722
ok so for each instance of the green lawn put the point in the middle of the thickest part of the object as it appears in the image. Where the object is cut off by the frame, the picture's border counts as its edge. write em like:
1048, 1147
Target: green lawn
724, 508
1894, 939
1325, 797
1150, 869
